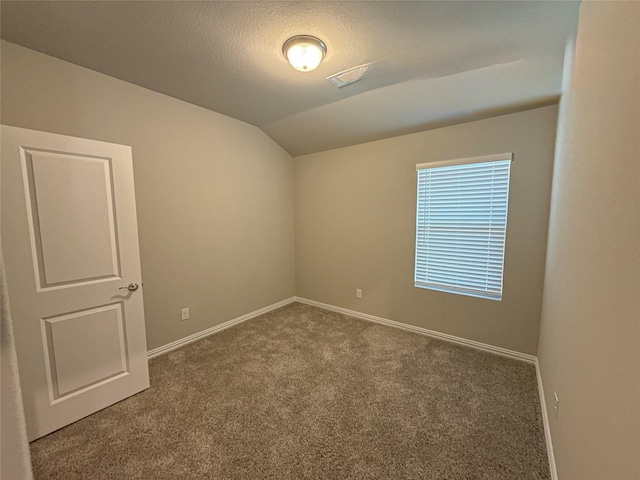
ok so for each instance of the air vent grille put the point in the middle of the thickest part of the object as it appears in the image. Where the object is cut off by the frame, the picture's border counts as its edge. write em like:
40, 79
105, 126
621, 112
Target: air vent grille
354, 74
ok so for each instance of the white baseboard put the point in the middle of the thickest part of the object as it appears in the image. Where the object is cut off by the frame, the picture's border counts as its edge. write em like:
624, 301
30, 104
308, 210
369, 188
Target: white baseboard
423, 331
547, 428
218, 328
384, 321
462, 341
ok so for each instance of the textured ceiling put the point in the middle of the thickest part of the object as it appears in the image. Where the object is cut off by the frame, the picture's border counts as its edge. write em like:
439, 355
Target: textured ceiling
432, 63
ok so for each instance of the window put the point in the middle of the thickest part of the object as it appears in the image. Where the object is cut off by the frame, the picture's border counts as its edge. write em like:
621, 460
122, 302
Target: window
461, 225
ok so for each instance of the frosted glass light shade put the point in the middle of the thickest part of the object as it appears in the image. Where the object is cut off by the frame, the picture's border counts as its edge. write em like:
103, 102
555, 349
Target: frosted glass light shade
304, 52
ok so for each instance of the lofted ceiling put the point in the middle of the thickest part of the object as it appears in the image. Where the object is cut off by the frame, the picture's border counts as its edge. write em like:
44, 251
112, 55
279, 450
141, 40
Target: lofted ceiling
430, 63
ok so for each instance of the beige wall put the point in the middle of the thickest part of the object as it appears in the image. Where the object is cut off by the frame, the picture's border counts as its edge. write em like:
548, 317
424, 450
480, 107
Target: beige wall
355, 228
589, 349
214, 195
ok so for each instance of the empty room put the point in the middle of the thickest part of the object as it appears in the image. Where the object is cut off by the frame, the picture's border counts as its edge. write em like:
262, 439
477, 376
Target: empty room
322, 240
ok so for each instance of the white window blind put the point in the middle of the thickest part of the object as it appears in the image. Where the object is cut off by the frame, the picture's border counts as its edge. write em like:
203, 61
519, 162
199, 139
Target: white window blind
461, 225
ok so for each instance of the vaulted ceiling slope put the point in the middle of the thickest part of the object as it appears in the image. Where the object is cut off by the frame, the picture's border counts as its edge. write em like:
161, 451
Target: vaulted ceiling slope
430, 63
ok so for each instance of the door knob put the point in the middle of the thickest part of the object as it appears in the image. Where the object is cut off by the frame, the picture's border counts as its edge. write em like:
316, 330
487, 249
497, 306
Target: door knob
132, 287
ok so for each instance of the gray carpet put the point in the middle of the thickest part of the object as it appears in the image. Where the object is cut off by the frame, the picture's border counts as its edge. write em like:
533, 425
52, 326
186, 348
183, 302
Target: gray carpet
301, 392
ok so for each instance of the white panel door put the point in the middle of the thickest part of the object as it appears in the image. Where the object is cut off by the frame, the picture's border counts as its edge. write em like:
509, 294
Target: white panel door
70, 242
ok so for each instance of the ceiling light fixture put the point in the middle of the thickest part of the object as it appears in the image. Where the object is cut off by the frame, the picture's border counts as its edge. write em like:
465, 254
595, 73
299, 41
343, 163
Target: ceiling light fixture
304, 52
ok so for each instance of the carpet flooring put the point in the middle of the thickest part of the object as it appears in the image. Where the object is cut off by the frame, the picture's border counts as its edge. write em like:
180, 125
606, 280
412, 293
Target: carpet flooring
302, 392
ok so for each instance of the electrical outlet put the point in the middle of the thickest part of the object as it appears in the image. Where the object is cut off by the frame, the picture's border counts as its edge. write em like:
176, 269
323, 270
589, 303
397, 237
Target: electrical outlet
359, 292
185, 313
556, 404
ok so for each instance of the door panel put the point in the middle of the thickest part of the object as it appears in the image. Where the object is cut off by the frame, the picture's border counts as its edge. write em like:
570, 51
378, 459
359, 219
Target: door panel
70, 241
73, 229
84, 349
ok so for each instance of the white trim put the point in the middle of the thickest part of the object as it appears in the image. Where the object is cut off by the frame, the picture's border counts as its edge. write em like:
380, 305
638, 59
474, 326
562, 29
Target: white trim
423, 331
547, 427
217, 328
384, 321
463, 161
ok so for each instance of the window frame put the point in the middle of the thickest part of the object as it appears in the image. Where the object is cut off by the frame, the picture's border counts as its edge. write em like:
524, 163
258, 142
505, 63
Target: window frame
423, 230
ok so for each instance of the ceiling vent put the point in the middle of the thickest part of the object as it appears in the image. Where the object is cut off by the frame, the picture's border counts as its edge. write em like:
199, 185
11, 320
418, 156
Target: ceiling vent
348, 76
